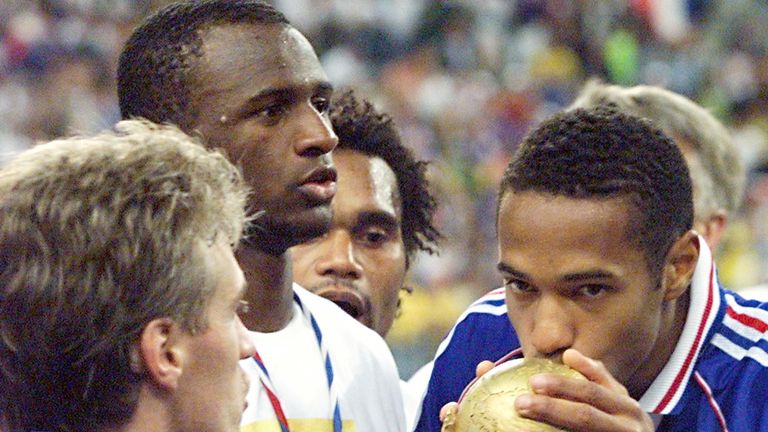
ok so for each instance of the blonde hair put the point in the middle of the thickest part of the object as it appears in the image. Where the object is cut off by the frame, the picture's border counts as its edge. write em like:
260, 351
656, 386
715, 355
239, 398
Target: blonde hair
98, 236
717, 171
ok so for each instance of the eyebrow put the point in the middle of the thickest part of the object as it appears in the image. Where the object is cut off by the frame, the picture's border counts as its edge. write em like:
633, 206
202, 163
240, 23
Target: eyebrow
508, 269
378, 217
570, 277
589, 274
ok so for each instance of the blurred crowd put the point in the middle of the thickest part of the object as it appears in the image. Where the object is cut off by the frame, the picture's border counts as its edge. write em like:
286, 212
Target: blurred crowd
464, 81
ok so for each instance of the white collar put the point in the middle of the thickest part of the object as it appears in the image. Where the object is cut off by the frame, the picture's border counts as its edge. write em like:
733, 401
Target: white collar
668, 387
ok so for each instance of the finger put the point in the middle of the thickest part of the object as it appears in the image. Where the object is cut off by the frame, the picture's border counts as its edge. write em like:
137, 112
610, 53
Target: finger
593, 370
573, 416
584, 391
450, 407
483, 367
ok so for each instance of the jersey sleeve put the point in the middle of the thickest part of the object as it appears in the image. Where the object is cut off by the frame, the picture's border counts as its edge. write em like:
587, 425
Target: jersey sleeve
483, 332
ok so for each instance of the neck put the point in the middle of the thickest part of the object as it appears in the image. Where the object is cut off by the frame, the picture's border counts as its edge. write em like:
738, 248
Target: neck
151, 414
672, 327
270, 290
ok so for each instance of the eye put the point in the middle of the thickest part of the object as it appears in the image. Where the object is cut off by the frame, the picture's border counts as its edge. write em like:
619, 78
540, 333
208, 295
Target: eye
321, 104
374, 236
272, 112
592, 290
518, 286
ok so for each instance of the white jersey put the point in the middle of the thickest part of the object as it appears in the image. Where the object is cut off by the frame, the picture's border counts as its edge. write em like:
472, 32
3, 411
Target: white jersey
759, 292
413, 393
365, 374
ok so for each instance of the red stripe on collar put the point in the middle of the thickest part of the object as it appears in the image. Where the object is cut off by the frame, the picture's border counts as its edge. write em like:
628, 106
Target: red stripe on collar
691, 357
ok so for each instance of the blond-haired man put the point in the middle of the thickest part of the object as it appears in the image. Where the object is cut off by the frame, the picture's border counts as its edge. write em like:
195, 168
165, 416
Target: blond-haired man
119, 289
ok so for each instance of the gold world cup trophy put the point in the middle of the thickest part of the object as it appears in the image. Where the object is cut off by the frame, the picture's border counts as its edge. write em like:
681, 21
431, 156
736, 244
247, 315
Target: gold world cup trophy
489, 404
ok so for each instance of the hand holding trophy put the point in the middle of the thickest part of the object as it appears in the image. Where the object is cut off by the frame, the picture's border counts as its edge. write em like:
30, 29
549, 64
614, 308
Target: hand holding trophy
488, 404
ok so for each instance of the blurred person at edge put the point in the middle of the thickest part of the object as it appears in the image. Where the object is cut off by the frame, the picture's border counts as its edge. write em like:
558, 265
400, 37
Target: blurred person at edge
119, 288
239, 75
382, 216
716, 170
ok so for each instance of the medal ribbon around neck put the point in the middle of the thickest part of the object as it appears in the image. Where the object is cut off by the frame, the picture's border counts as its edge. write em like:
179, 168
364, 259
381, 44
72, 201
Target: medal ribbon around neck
266, 381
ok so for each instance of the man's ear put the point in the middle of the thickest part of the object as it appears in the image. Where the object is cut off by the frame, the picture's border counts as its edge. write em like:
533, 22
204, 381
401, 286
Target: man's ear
713, 227
679, 265
163, 352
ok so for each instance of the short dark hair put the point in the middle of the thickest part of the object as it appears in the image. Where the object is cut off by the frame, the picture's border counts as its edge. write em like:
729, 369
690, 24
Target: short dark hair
603, 153
360, 127
153, 71
717, 172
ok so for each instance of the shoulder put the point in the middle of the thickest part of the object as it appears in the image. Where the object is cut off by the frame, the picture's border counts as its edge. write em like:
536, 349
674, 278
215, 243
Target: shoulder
482, 332
758, 292
486, 318
731, 378
742, 333
489, 302
737, 353
488, 310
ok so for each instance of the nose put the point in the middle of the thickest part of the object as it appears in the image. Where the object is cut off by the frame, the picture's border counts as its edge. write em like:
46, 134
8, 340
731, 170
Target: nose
337, 256
247, 347
552, 331
316, 137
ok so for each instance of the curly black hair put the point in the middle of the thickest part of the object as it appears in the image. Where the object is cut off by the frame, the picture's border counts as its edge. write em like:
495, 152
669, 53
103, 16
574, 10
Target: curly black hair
603, 153
154, 69
360, 127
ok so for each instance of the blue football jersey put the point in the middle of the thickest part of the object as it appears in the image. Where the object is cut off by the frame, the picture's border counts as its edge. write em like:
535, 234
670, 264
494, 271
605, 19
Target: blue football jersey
715, 380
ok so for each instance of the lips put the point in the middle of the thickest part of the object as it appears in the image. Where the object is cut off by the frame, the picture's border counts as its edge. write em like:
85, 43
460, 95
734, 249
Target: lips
348, 299
319, 185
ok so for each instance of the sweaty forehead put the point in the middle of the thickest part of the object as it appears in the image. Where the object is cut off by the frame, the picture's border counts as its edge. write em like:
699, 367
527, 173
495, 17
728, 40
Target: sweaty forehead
251, 57
367, 182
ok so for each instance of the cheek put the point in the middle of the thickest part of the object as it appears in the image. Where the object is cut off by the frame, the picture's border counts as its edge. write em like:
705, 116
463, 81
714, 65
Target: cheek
213, 361
386, 278
300, 259
228, 342
230, 139
516, 312
257, 153
258, 166
521, 319
628, 343
267, 178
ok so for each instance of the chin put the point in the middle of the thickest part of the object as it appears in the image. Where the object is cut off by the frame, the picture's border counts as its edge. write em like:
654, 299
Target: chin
300, 227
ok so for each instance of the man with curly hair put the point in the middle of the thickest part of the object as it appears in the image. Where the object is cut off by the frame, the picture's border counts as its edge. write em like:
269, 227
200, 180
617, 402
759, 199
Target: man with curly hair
603, 272
382, 216
239, 75
119, 288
